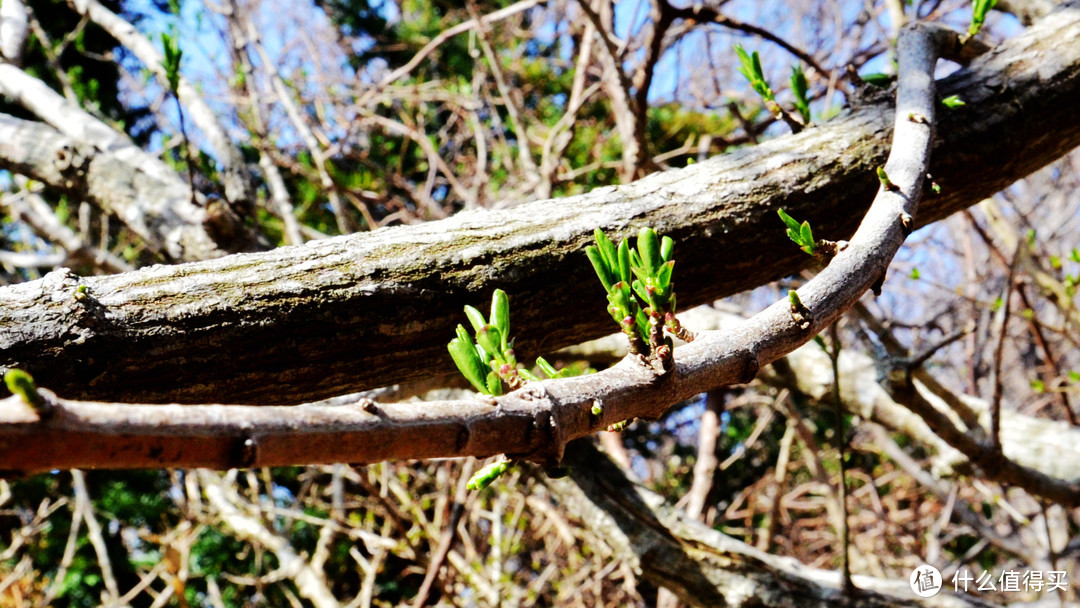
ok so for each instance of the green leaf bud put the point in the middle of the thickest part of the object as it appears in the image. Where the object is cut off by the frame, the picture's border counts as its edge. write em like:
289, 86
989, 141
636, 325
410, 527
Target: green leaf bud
485, 476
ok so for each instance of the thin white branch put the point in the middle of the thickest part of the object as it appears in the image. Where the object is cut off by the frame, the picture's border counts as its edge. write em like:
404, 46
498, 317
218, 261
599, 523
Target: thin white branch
14, 25
445, 35
238, 185
85, 509
310, 582
139, 188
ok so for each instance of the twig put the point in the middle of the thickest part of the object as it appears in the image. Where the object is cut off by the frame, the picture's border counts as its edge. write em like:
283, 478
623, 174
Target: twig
446, 540
93, 530
841, 448
1002, 323
445, 35
705, 465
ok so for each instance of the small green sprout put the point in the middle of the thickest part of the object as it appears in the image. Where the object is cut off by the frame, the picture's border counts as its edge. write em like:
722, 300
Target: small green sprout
485, 476
952, 102
22, 384
801, 234
799, 312
640, 292
171, 63
751, 69
486, 358
799, 88
884, 179
979, 10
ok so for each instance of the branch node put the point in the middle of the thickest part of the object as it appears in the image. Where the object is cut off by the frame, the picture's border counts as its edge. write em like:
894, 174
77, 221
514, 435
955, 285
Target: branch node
750, 369
463, 437
907, 223
799, 312
825, 250
245, 453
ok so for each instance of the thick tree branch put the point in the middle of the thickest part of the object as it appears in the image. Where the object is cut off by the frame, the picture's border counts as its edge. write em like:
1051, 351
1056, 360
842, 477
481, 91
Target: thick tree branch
355, 312
535, 422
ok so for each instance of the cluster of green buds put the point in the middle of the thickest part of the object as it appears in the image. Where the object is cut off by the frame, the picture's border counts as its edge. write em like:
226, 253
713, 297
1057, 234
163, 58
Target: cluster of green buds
641, 296
750, 68
170, 44
487, 359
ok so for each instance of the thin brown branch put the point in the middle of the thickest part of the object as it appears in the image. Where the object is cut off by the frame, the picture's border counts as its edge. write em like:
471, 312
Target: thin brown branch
700, 565
1002, 322
986, 456
708, 14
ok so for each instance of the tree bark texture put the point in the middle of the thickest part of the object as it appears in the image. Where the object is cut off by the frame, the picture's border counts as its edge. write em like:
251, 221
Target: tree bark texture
367, 310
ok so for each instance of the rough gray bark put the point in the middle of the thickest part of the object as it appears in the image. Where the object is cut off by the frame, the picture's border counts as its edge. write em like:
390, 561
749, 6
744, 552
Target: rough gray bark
700, 565
366, 310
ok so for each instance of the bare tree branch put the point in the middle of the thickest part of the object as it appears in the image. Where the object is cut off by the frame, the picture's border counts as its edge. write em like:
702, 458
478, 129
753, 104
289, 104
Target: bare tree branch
543, 417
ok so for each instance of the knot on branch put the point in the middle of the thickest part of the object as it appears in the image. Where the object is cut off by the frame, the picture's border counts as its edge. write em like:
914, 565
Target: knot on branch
72, 161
